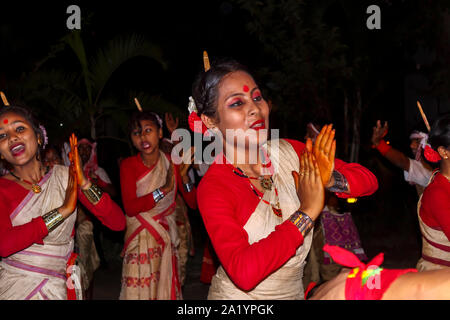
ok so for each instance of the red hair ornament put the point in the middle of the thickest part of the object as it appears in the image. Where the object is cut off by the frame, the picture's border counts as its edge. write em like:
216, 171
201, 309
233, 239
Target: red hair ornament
195, 123
431, 155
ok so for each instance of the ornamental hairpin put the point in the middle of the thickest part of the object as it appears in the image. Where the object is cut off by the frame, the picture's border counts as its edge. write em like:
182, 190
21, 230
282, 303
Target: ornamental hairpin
192, 107
158, 118
193, 115
206, 64
138, 105
5, 101
429, 153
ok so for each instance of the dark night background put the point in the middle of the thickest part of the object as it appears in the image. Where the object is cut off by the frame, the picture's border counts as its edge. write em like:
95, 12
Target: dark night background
315, 60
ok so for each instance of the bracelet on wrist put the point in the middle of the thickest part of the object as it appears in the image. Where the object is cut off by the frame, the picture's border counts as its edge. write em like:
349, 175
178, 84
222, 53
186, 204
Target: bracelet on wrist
188, 187
158, 195
302, 221
382, 147
52, 219
340, 183
93, 193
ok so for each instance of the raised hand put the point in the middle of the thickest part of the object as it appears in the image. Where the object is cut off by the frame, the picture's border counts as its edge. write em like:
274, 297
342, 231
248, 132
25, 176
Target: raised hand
70, 201
379, 132
75, 158
171, 124
310, 189
324, 150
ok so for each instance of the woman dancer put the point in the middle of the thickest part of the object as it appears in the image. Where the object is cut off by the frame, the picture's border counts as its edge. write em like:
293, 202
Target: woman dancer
150, 183
259, 215
433, 280
434, 205
37, 207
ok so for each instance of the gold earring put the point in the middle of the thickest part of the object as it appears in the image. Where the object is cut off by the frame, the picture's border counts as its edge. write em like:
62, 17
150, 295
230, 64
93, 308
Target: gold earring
2, 157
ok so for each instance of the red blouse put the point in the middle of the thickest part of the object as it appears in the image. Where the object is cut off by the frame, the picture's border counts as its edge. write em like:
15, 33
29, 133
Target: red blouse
14, 239
226, 201
131, 170
435, 208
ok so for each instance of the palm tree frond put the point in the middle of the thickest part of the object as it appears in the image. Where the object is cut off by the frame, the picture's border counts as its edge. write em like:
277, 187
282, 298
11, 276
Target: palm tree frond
74, 40
117, 52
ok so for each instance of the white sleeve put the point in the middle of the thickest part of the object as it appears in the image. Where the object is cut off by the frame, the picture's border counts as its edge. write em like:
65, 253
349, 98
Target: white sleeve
101, 173
417, 173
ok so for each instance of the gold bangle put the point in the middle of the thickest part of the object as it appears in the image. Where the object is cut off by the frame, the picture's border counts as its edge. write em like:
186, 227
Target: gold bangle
52, 219
93, 193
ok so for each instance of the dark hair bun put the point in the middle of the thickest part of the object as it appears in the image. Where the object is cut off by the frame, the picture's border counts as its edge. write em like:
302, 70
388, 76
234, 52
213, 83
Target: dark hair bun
440, 133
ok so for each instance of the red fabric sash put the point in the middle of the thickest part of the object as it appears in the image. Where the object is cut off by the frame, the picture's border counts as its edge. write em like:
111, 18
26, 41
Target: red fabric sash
148, 226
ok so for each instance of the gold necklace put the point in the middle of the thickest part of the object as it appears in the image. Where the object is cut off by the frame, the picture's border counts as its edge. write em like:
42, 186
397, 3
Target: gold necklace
35, 187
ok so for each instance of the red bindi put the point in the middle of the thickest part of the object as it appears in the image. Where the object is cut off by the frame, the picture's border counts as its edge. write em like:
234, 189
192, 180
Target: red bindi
245, 88
5, 121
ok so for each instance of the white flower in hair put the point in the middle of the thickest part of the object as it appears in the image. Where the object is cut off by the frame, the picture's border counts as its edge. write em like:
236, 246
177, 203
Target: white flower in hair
45, 137
192, 107
158, 118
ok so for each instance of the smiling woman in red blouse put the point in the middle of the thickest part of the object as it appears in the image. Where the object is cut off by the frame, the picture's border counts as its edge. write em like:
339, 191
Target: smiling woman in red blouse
37, 207
259, 215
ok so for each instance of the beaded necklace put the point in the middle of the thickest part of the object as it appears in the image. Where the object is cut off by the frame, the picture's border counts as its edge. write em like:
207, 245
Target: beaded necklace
275, 208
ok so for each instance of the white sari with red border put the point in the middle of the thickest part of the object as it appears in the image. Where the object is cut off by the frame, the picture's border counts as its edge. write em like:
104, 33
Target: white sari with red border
435, 244
39, 271
150, 264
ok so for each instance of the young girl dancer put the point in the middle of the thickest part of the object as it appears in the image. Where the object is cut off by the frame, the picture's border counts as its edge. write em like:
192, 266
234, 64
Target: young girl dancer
150, 184
38, 212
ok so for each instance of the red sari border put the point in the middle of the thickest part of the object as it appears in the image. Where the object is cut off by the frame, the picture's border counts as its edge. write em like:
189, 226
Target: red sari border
38, 289
436, 260
437, 245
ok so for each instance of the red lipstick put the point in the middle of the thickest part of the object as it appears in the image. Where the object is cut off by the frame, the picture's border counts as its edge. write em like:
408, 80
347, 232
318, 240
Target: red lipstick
258, 125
